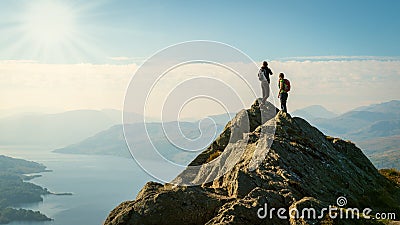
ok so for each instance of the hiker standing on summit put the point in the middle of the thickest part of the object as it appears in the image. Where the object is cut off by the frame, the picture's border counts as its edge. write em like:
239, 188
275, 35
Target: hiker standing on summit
263, 76
284, 88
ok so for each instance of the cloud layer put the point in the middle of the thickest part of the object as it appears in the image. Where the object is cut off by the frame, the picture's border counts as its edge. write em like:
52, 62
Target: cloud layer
63, 86
339, 85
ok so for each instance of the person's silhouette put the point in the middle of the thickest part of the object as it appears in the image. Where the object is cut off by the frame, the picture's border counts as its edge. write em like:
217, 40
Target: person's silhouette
283, 92
263, 76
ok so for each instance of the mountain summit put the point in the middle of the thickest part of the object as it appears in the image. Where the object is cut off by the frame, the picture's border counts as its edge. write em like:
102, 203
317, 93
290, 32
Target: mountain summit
297, 170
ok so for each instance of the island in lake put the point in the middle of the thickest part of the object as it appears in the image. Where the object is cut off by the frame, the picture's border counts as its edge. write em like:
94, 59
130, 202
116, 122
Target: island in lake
14, 190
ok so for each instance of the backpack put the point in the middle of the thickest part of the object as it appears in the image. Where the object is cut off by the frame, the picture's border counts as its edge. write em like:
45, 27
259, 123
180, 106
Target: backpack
264, 72
286, 86
260, 74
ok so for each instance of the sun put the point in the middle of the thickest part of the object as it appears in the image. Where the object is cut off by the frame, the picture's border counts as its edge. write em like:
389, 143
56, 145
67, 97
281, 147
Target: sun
48, 23
54, 31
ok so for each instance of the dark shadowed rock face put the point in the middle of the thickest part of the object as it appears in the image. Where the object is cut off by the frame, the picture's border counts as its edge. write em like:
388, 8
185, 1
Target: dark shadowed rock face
303, 168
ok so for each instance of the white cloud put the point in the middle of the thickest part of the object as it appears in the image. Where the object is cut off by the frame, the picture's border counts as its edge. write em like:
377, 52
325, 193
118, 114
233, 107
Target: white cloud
339, 85
125, 59
65, 86
201, 79
341, 57
120, 58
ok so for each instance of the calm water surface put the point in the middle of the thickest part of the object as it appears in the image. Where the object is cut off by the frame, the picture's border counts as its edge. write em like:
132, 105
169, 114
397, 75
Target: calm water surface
98, 184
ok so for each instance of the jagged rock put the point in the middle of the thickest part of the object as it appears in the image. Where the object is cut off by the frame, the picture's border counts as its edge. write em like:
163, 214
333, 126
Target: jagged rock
286, 163
157, 204
311, 216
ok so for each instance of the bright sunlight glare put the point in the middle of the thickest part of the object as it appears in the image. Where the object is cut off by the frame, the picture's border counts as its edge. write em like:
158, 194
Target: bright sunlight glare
54, 31
48, 23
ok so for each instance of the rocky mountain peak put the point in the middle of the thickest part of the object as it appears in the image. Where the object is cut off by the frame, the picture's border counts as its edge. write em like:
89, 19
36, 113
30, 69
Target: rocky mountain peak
264, 158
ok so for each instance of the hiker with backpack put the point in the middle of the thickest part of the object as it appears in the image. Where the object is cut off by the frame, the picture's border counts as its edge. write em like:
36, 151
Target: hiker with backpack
263, 76
284, 88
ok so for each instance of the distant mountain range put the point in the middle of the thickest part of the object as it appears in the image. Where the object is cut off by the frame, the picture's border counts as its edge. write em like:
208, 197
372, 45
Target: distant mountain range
378, 120
100, 131
164, 137
385, 107
314, 112
375, 128
67, 128
55, 129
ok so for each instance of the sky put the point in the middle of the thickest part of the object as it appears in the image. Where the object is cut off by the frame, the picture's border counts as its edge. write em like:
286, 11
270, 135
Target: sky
66, 55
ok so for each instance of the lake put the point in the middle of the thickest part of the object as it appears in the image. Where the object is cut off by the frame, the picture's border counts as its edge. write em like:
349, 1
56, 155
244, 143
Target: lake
98, 184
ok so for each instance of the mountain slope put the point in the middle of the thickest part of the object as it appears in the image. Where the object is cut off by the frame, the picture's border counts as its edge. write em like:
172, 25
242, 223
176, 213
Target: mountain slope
383, 128
369, 124
314, 112
55, 129
385, 107
108, 142
303, 168
112, 140
349, 124
384, 152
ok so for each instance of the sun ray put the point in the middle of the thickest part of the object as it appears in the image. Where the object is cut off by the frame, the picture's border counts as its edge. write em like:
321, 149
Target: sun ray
52, 31
49, 23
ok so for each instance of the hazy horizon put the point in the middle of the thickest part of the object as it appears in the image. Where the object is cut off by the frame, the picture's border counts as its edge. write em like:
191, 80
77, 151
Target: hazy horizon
6, 113
349, 85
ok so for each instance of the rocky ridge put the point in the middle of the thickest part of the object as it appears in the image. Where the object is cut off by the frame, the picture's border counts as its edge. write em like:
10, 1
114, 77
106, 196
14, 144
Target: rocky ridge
297, 168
